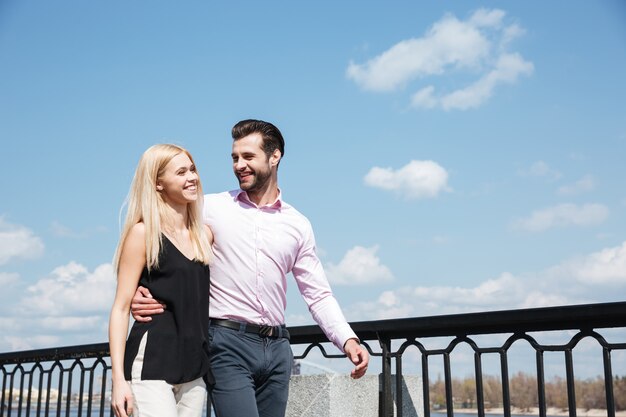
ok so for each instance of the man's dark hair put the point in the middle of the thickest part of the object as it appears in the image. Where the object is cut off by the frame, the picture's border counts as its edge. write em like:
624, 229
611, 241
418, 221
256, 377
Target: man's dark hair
272, 138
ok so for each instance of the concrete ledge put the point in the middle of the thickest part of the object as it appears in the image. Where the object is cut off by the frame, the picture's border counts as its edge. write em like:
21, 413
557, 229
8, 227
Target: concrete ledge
334, 395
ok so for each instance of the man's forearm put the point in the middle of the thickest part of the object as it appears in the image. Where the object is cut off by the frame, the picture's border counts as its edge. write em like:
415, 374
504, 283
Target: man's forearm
328, 315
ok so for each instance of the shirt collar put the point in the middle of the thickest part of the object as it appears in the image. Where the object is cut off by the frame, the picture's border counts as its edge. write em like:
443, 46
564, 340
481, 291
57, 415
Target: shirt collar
242, 195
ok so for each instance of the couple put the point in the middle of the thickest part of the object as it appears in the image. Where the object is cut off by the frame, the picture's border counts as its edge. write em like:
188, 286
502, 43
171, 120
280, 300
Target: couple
251, 239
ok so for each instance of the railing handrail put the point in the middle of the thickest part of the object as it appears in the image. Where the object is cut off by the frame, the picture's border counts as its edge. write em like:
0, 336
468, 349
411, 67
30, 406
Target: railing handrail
97, 350
587, 316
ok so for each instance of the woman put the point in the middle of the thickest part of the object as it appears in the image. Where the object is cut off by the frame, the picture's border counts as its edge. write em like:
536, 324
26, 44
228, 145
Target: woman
161, 368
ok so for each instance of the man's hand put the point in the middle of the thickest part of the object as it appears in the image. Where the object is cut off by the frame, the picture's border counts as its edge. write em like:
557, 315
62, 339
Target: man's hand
143, 305
358, 355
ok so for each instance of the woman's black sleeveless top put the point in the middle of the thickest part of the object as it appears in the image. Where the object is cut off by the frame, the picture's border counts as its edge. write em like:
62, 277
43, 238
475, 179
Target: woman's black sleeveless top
177, 340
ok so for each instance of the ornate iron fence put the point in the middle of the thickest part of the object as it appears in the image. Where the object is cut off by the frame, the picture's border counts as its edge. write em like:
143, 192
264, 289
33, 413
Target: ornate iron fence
73, 381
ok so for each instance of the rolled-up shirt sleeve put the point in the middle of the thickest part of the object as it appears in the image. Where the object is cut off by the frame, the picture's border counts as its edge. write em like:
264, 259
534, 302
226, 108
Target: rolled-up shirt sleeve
315, 289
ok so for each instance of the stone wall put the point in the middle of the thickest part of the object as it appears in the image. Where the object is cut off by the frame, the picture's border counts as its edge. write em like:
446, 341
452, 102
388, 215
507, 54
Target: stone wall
335, 395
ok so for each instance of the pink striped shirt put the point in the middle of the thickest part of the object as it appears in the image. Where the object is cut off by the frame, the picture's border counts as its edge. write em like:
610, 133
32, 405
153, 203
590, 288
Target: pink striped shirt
255, 248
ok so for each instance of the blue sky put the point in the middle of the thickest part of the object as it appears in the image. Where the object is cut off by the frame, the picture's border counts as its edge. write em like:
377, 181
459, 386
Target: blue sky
452, 156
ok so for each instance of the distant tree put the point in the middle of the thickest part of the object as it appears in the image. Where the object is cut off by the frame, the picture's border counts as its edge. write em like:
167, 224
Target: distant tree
590, 393
556, 393
465, 392
619, 392
492, 389
438, 393
523, 389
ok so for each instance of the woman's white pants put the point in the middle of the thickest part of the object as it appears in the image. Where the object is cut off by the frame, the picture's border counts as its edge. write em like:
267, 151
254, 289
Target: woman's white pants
155, 398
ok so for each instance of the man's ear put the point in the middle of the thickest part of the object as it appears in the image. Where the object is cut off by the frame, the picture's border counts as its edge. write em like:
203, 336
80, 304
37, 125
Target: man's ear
275, 158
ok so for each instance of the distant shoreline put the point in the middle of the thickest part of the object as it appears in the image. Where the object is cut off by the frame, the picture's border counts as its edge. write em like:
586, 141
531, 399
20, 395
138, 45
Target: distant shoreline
534, 411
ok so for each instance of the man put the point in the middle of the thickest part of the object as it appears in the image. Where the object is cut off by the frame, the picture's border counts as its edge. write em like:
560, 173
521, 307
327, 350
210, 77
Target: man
258, 240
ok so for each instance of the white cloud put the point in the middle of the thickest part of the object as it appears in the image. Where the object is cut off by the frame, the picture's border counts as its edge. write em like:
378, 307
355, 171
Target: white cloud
541, 169
299, 319
605, 267
487, 18
359, 266
425, 98
69, 323
7, 278
7, 323
495, 294
583, 185
535, 299
417, 179
593, 278
61, 230
507, 70
440, 240
449, 42
72, 289
511, 33
563, 215
16, 343
68, 307
577, 156
450, 46
18, 242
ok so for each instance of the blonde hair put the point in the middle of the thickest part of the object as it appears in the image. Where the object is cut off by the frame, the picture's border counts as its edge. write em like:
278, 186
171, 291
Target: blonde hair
146, 205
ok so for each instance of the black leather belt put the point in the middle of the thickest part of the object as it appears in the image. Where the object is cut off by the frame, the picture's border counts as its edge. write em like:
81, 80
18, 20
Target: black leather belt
263, 331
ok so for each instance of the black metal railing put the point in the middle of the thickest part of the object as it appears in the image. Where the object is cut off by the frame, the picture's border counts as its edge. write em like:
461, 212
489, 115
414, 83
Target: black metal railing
56, 382
73, 381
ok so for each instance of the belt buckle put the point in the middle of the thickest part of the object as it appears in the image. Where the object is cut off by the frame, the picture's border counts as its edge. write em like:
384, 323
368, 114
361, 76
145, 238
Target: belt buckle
266, 331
